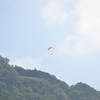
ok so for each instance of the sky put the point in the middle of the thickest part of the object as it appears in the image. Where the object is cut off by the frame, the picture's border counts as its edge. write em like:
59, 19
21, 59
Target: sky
72, 27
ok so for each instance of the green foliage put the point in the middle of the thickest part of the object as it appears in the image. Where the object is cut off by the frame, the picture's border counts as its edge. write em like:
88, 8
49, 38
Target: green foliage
17, 83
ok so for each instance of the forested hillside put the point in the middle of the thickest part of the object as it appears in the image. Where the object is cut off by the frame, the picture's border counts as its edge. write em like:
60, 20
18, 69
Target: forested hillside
17, 83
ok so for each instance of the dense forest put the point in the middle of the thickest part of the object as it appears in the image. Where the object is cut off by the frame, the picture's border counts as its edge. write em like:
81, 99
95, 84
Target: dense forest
17, 83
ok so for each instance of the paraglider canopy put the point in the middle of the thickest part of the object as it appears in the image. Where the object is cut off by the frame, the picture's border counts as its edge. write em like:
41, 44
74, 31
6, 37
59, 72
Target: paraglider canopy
50, 48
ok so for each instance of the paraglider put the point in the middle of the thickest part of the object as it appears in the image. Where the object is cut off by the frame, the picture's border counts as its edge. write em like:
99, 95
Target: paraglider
50, 48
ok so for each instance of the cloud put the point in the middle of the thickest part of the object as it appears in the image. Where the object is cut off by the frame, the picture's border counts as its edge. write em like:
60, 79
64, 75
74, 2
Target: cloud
27, 63
86, 38
54, 12
70, 46
89, 13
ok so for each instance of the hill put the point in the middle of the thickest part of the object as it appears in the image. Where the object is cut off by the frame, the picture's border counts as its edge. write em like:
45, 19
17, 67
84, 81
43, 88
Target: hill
17, 83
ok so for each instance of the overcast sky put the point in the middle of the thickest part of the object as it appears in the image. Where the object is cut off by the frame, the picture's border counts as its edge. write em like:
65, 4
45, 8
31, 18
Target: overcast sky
72, 27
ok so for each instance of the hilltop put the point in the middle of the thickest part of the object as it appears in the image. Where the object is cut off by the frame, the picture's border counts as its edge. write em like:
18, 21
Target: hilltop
17, 83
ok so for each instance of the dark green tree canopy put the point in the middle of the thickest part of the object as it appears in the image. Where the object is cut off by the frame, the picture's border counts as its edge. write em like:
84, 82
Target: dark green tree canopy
17, 83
